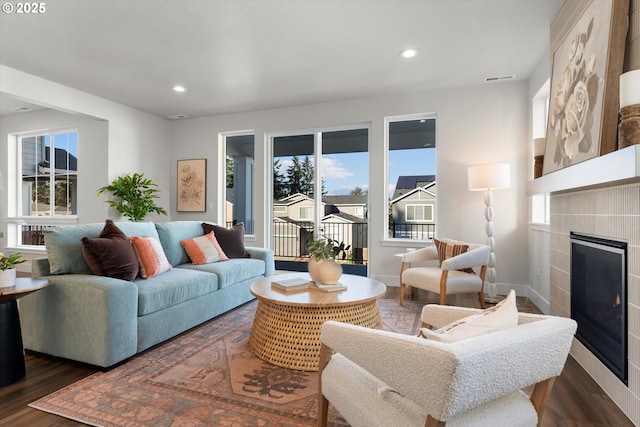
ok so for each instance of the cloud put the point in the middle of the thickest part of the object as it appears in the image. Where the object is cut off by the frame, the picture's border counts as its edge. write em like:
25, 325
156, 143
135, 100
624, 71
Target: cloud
332, 169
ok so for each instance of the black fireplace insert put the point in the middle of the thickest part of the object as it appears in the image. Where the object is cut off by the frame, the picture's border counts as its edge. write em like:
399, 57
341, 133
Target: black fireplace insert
599, 298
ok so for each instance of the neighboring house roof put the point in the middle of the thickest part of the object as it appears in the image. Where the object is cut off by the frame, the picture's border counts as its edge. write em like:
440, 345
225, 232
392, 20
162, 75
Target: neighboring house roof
415, 190
300, 224
64, 161
407, 183
290, 200
345, 217
347, 199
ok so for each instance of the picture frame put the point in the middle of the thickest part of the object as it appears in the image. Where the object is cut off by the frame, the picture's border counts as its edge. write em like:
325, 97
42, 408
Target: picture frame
584, 100
192, 185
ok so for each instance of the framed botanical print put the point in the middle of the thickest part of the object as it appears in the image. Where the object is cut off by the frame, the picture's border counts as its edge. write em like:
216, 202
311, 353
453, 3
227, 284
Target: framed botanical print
584, 100
192, 185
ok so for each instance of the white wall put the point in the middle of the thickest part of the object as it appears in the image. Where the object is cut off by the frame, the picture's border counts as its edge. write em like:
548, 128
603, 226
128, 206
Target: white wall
482, 124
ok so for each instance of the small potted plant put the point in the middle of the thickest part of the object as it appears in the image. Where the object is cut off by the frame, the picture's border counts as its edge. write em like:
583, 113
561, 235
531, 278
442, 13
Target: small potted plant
135, 196
8, 268
323, 252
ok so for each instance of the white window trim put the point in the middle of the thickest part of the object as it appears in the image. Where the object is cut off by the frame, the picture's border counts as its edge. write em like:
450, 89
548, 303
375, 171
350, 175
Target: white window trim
386, 240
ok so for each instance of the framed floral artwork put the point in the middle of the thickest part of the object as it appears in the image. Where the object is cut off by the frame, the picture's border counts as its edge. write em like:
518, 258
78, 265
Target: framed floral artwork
584, 99
192, 185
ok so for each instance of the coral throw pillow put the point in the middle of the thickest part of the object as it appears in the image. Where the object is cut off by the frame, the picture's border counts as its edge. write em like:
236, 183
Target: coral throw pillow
231, 239
110, 254
204, 249
501, 316
150, 255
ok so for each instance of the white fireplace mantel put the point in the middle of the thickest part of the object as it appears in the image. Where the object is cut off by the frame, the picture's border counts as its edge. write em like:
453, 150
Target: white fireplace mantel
611, 169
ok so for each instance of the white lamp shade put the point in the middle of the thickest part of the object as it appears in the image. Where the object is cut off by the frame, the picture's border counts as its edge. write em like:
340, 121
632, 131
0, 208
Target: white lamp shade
492, 176
630, 88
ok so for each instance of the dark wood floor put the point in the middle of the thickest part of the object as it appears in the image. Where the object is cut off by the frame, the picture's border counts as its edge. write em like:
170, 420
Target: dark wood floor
576, 400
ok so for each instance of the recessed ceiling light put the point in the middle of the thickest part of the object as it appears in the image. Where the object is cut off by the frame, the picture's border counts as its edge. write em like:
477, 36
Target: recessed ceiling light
20, 109
179, 89
408, 53
178, 117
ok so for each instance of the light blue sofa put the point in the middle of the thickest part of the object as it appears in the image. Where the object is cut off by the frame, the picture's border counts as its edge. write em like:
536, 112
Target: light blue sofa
102, 321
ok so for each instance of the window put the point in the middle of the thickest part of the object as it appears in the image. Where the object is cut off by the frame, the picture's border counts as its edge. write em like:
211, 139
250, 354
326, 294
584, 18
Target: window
419, 213
540, 212
240, 169
47, 183
411, 176
306, 213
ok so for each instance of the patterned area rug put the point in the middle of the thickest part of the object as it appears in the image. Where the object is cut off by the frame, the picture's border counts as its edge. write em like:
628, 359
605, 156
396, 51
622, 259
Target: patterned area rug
206, 377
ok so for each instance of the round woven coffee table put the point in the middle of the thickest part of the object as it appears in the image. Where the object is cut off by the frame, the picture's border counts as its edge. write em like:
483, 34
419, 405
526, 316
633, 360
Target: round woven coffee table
286, 327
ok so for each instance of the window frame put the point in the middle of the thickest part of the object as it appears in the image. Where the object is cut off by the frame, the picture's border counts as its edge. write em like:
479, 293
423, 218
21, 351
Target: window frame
388, 240
15, 219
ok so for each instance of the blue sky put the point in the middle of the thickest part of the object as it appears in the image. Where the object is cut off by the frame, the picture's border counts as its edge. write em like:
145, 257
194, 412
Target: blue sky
344, 172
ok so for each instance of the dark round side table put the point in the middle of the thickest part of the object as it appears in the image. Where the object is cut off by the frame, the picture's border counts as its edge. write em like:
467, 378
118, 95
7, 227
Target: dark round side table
12, 366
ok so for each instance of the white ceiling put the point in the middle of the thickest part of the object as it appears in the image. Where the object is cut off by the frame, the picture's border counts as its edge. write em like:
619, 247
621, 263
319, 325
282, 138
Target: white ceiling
244, 55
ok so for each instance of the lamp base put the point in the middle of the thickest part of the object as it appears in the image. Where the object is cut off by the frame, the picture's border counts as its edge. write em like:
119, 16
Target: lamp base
493, 300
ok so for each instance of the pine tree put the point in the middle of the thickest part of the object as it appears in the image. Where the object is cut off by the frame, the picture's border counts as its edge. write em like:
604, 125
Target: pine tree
279, 182
294, 177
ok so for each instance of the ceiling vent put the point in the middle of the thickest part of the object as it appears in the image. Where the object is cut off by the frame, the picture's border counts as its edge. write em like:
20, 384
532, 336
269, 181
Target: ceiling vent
499, 78
178, 117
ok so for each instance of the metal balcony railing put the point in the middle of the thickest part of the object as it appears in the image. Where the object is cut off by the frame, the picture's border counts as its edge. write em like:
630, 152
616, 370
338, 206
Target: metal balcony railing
405, 230
290, 239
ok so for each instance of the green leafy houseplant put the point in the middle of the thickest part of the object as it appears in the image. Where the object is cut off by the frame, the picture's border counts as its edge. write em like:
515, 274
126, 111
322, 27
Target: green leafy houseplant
8, 262
324, 248
135, 196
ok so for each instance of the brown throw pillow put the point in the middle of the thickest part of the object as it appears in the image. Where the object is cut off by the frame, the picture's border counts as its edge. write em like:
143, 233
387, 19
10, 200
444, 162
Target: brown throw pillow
111, 254
231, 240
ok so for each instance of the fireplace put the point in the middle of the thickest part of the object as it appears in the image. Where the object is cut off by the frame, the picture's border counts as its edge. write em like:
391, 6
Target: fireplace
599, 299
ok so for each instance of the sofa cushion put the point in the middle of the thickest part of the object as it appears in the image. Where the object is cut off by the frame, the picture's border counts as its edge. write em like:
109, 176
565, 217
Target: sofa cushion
232, 271
64, 248
111, 254
150, 255
203, 249
171, 288
501, 316
231, 239
170, 234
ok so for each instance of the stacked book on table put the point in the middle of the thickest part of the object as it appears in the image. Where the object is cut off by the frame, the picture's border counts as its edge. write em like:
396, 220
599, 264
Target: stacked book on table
291, 285
328, 288
300, 284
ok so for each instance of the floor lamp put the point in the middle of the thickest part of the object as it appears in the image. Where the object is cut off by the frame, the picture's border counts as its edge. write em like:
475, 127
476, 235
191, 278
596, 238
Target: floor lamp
488, 178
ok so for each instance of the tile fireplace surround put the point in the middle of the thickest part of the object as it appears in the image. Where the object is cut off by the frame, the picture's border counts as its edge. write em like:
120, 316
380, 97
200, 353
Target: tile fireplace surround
608, 208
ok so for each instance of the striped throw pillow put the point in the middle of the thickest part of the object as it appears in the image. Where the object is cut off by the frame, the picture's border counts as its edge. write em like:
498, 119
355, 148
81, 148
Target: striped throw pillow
449, 248
203, 249
150, 255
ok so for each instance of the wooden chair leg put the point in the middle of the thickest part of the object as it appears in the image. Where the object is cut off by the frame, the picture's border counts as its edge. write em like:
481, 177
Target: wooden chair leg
483, 273
323, 403
443, 287
404, 266
540, 396
432, 422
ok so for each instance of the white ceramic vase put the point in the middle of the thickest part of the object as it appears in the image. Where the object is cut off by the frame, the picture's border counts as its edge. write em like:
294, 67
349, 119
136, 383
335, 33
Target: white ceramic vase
324, 271
7, 278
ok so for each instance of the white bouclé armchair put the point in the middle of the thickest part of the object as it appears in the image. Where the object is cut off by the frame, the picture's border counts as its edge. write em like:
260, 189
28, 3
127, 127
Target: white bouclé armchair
381, 378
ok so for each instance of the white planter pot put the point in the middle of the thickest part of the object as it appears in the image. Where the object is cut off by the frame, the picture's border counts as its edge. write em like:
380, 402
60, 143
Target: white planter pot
7, 278
324, 271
